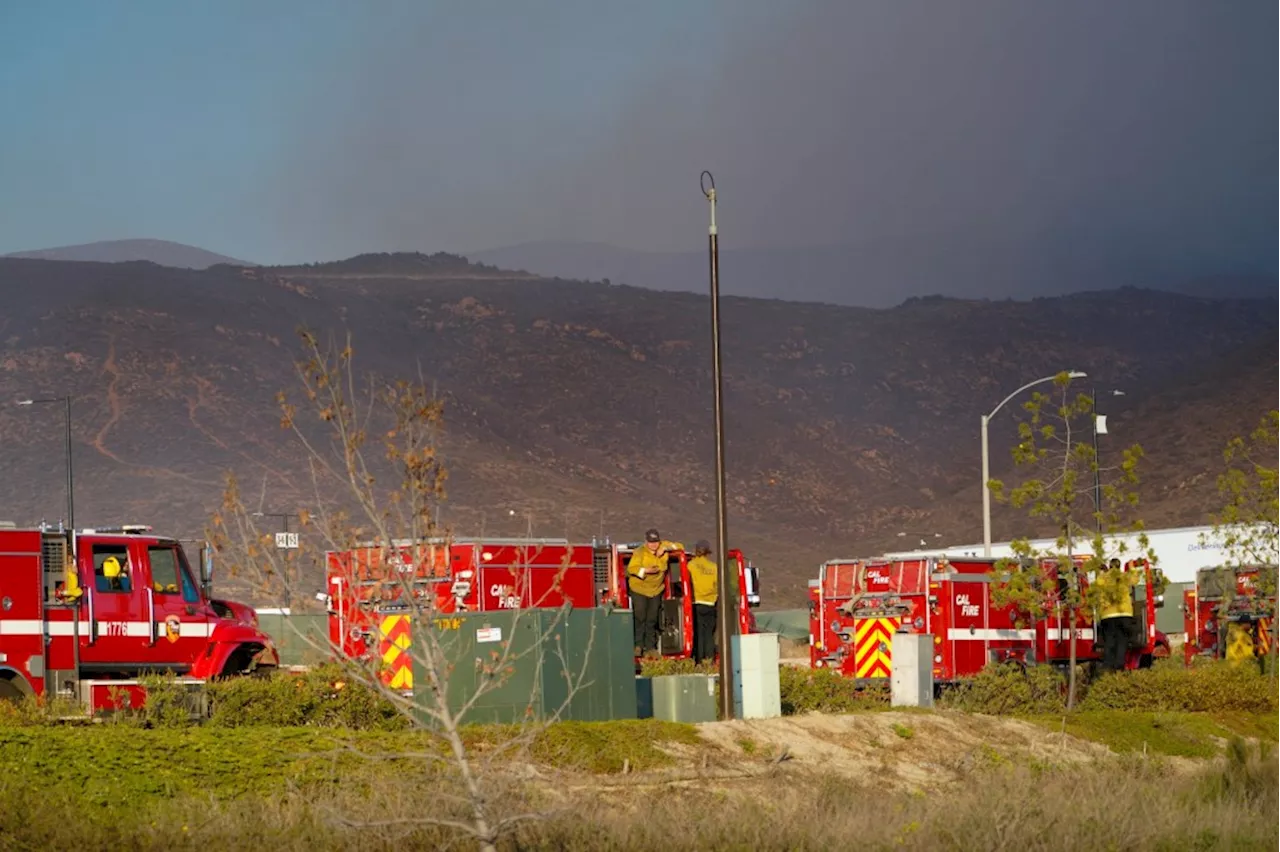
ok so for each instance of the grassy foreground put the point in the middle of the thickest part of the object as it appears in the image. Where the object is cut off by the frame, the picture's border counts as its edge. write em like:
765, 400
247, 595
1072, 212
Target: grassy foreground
305, 762
114, 786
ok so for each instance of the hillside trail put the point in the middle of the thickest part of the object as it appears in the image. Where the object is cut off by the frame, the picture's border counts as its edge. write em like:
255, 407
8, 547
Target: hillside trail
907, 751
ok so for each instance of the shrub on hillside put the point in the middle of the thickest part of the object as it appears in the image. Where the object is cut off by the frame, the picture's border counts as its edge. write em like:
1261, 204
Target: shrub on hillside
826, 691
1210, 688
1005, 689
664, 667
321, 697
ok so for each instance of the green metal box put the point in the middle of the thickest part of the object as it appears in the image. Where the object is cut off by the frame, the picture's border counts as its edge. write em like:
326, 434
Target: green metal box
684, 698
528, 661
302, 639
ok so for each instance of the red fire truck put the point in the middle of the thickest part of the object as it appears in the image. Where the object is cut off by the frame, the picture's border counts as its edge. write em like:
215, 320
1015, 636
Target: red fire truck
1228, 613
856, 605
372, 591
83, 614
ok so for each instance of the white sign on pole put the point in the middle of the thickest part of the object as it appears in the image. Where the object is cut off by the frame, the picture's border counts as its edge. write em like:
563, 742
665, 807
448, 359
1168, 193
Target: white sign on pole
287, 541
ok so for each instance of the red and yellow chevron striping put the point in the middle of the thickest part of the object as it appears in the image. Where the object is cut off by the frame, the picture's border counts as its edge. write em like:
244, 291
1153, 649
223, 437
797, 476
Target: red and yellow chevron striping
872, 638
1264, 637
393, 647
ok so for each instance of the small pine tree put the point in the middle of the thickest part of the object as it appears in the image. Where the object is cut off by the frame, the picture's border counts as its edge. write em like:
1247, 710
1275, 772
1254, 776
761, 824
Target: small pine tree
1246, 527
1056, 451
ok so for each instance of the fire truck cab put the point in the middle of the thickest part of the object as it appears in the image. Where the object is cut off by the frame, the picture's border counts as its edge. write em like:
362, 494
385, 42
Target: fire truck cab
1228, 613
83, 614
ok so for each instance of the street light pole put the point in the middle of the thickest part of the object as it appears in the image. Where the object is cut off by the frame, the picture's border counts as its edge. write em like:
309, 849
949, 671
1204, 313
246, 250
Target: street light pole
1097, 459
71, 489
725, 613
284, 518
986, 456
71, 482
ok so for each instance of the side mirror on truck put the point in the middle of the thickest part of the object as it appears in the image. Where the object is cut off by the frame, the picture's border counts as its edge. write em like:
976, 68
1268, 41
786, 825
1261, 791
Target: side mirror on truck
206, 569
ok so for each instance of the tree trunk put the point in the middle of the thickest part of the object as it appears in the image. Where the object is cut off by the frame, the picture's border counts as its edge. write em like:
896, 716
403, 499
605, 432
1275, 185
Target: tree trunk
1072, 611
1071, 664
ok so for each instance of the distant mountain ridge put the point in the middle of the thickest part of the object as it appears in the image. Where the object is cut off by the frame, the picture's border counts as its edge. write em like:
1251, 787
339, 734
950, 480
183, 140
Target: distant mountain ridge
876, 276
160, 252
406, 266
582, 410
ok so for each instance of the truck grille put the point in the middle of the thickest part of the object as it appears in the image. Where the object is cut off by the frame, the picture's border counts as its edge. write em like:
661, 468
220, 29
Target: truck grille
600, 565
53, 558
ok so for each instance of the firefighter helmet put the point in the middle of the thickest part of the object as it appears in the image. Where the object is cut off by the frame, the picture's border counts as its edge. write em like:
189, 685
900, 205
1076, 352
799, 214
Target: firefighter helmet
111, 567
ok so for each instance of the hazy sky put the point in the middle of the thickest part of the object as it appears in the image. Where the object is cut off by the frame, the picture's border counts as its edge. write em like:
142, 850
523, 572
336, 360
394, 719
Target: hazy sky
289, 131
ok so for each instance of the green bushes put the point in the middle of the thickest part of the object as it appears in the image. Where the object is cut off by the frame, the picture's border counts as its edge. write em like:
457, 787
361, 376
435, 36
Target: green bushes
608, 747
1007, 689
826, 691
322, 697
664, 667
1211, 688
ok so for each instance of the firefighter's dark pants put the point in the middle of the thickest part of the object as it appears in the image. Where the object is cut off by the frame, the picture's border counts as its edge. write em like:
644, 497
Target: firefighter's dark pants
1116, 632
704, 632
645, 612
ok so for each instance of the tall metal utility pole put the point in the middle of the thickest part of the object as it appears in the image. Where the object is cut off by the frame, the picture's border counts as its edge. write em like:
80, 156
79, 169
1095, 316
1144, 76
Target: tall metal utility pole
284, 518
725, 621
1099, 428
1097, 466
71, 485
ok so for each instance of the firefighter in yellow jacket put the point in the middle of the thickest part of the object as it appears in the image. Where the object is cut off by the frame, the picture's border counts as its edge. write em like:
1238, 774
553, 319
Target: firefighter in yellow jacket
703, 574
646, 576
1116, 623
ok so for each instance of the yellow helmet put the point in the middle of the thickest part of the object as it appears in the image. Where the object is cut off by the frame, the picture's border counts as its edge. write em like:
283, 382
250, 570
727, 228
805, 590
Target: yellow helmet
111, 567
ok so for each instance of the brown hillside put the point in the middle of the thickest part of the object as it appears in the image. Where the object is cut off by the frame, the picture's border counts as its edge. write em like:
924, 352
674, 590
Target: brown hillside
585, 407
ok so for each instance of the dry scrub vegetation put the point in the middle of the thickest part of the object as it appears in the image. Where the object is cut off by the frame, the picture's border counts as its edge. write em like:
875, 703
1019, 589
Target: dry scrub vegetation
294, 763
892, 780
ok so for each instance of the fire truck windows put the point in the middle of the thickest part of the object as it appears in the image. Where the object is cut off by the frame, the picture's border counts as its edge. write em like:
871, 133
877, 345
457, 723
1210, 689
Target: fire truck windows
167, 574
673, 571
111, 571
189, 593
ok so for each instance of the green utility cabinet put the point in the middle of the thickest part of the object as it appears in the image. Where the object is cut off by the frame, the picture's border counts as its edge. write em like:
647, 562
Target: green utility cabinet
529, 658
679, 698
301, 639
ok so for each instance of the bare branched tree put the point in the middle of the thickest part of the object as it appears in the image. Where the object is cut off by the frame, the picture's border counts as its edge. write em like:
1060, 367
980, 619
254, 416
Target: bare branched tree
1093, 524
373, 452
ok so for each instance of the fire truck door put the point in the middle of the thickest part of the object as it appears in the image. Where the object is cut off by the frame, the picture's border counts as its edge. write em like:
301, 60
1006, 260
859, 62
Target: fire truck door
115, 608
671, 634
181, 622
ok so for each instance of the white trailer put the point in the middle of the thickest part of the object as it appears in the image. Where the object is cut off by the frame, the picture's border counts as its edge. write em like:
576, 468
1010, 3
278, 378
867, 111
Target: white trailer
1181, 551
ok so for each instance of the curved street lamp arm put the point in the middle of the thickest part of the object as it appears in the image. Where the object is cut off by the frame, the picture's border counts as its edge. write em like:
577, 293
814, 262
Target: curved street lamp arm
1074, 374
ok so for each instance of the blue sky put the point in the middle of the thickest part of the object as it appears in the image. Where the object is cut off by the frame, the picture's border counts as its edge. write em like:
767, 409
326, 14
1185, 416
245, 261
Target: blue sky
179, 121
291, 131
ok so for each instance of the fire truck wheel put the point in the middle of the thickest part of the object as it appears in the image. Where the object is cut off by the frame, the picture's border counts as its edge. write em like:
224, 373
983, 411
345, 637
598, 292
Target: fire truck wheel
262, 672
11, 689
